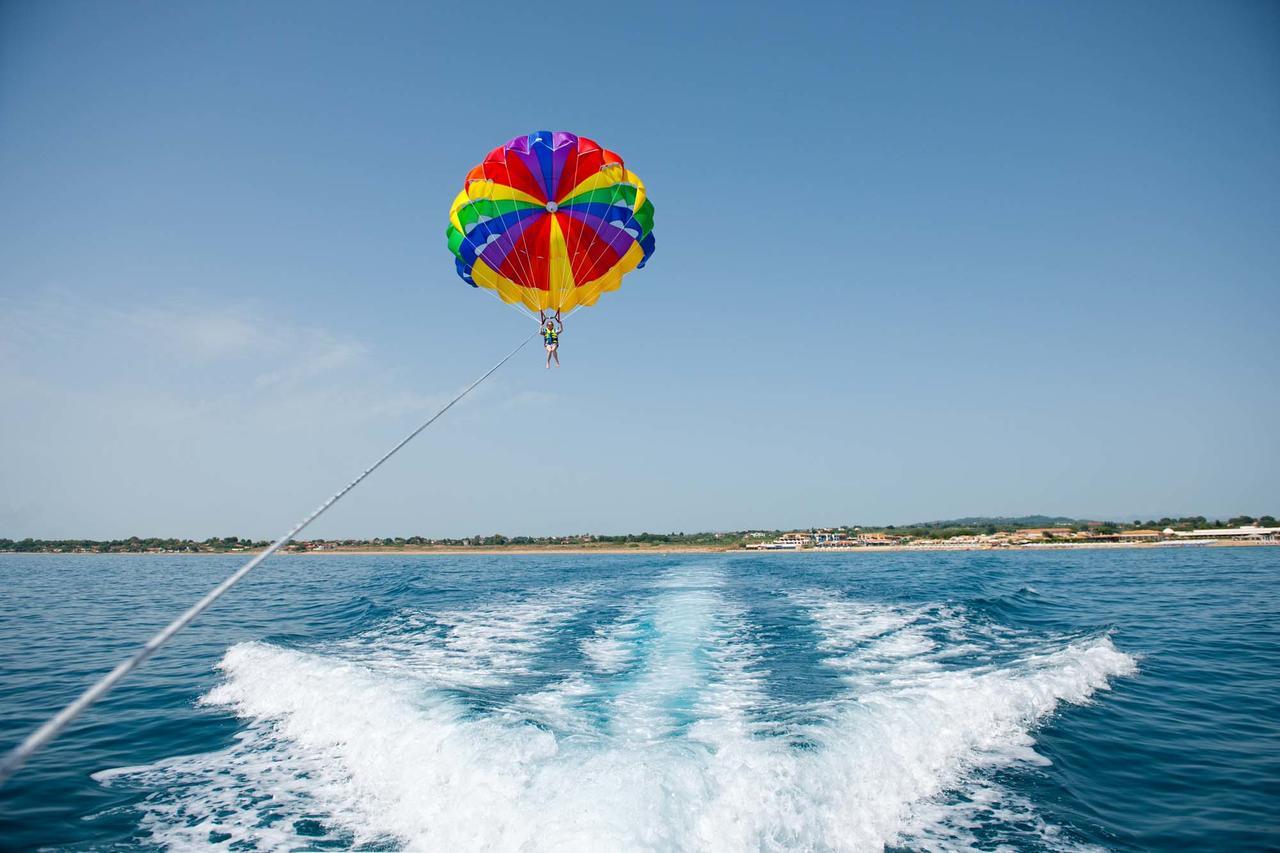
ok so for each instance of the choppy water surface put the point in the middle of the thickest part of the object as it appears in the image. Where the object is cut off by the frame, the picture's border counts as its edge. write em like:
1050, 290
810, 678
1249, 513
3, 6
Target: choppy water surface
1032, 701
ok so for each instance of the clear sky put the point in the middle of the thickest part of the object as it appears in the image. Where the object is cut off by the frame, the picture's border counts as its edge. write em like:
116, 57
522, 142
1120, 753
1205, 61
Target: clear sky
913, 261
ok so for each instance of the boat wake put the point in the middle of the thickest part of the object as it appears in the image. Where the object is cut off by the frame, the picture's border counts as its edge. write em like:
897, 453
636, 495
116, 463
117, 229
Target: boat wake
573, 720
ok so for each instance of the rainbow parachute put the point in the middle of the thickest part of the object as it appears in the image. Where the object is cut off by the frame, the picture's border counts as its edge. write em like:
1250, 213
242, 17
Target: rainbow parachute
550, 221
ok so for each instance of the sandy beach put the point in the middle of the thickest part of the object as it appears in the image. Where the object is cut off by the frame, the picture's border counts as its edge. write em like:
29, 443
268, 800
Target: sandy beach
672, 549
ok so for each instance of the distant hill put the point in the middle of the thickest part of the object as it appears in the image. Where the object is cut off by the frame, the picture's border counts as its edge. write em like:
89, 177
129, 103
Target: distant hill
1001, 521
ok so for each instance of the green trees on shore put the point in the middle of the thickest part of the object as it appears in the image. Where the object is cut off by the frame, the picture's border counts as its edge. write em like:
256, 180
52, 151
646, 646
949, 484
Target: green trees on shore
933, 530
132, 545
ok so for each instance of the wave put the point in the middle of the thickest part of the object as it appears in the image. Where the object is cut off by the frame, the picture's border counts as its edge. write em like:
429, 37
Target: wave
663, 734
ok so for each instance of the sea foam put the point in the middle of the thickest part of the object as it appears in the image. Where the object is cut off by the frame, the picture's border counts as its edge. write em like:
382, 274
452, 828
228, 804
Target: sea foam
666, 737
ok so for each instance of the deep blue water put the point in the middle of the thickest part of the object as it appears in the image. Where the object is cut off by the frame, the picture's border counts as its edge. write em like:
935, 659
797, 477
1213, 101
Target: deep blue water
1121, 699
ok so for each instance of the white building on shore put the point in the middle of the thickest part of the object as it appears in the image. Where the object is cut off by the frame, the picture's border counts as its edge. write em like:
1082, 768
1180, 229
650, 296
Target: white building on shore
1243, 533
789, 542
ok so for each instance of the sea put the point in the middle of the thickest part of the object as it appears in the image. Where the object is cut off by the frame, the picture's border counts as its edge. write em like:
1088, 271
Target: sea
1124, 699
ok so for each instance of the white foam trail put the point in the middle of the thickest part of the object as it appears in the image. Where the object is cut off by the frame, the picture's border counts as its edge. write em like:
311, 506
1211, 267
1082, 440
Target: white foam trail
486, 646
847, 623
682, 660
677, 760
906, 685
612, 647
661, 697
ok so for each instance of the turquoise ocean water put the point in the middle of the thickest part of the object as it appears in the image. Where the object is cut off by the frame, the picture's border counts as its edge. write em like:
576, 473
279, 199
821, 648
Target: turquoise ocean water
1123, 699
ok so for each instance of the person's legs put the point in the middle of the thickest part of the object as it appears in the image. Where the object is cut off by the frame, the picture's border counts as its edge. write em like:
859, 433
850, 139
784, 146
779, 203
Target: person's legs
550, 350
555, 351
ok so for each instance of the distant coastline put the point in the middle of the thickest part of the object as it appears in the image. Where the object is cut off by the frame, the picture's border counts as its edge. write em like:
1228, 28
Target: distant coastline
864, 549
968, 534
578, 550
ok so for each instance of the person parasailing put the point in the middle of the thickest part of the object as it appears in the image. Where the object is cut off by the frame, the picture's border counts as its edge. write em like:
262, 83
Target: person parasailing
551, 328
547, 223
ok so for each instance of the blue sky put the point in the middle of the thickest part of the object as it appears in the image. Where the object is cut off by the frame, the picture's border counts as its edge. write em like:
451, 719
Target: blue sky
914, 261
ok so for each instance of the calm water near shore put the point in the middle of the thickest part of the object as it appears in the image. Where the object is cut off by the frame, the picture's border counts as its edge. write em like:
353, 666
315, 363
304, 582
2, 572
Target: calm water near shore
1120, 699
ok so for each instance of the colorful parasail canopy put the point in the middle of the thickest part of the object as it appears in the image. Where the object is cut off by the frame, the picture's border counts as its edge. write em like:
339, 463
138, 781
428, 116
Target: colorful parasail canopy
550, 221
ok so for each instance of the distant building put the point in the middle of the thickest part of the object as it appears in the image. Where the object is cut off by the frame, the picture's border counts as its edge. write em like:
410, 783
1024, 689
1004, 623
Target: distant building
1139, 535
1044, 533
789, 542
1243, 533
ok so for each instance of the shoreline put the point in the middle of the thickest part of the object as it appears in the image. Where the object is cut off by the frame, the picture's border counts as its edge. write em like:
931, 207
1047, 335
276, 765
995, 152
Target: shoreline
577, 551
868, 549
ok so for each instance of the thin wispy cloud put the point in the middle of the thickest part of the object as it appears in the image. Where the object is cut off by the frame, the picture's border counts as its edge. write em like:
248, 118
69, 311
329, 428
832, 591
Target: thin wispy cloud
193, 349
184, 396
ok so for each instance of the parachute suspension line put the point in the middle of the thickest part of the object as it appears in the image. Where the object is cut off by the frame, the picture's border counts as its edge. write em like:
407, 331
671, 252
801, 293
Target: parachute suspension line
567, 277
580, 264
18, 756
470, 201
489, 186
577, 267
525, 263
562, 195
520, 309
595, 291
588, 263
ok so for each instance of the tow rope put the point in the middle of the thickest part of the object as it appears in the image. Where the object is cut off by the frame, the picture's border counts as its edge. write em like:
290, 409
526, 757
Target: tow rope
17, 756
